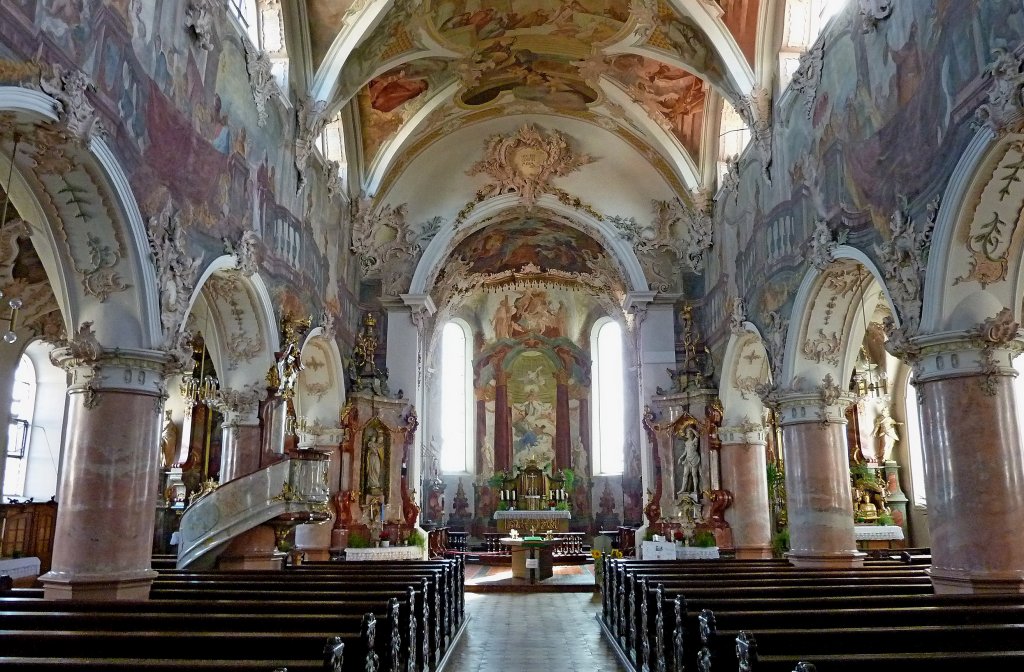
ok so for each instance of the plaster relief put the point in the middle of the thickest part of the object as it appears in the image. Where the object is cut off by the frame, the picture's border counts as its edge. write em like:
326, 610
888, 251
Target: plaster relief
903, 259
1005, 103
232, 308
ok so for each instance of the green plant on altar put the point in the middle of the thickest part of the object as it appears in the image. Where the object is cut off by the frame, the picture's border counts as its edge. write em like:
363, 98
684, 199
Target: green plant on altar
417, 538
496, 480
885, 519
502, 506
562, 506
569, 477
649, 534
780, 543
357, 539
775, 475
703, 539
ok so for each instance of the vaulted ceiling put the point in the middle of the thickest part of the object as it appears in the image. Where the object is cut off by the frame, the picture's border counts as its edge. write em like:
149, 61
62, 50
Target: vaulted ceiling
404, 73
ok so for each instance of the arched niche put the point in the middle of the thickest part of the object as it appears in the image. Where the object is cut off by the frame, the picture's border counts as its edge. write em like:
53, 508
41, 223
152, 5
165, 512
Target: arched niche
320, 394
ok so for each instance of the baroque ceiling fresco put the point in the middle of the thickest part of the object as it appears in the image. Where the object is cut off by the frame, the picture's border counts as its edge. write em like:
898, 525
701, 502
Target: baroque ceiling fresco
642, 69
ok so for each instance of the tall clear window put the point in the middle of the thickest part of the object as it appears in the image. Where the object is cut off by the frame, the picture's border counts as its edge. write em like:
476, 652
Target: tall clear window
456, 413
23, 401
608, 424
264, 24
914, 447
733, 136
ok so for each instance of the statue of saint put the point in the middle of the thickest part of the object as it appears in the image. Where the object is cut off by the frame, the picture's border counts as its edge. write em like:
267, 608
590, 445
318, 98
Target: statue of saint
689, 459
375, 465
168, 442
885, 429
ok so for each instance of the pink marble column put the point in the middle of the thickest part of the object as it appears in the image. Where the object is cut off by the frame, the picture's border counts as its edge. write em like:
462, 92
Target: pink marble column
744, 474
974, 467
241, 444
108, 491
819, 499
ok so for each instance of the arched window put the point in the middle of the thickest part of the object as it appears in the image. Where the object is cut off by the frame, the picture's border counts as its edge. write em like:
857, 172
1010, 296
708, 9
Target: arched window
263, 22
915, 453
23, 402
456, 394
803, 22
733, 136
608, 414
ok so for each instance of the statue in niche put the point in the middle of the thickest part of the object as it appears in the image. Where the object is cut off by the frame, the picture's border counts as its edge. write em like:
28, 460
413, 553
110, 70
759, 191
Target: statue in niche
689, 462
376, 461
168, 442
607, 502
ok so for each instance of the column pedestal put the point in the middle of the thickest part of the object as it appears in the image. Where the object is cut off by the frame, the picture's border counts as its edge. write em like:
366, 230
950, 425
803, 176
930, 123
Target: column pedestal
974, 469
819, 497
108, 492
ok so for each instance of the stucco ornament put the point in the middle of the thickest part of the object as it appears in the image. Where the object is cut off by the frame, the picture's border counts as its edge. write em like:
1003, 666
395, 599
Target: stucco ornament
75, 112
261, 80
872, 12
309, 122
1003, 110
808, 75
387, 247
242, 402
199, 22
240, 331
175, 269
830, 394
756, 112
82, 345
995, 332
822, 246
903, 259
644, 15
731, 179
775, 345
737, 316
525, 162
823, 348
334, 179
246, 252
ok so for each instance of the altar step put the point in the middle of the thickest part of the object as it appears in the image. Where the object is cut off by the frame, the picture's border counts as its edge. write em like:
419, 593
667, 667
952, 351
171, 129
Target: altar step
575, 578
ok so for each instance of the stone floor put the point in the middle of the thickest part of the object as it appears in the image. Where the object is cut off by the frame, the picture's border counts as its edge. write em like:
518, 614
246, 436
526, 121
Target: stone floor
532, 632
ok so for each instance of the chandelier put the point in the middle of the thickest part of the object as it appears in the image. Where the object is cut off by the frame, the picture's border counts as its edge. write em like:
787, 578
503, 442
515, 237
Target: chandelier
200, 387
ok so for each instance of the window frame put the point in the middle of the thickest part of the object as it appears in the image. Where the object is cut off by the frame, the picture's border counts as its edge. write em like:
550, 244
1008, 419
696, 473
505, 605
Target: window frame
466, 463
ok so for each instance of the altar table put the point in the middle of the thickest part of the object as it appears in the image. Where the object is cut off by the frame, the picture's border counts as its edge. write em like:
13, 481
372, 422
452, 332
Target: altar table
524, 521
532, 558
20, 568
390, 553
871, 537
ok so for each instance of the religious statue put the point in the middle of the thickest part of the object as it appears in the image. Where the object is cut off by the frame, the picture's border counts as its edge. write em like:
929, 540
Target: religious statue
866, 510
374, 453
460, 504
689, 460
885, 429
168, 442
342, 501
410, 511
607, 502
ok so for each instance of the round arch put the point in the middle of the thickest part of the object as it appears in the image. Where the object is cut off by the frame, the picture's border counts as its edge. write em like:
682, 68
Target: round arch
320, 394
744, 366
121, 298
448, 238
826, 321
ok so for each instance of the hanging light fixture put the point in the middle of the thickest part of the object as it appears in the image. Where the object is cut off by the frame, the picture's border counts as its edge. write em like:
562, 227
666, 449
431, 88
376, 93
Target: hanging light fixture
15, 303
200, 387
867, 380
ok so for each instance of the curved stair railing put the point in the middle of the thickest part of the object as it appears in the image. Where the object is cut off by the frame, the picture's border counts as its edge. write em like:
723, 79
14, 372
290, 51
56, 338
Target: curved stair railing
286, 493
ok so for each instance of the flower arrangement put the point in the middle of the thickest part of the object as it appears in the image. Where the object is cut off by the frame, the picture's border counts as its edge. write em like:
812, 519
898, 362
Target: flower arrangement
599, 564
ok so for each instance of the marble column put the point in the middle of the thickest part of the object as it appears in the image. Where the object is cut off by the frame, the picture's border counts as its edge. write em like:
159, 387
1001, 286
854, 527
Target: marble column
242, 440
502, 423
108, 489
974, 464
744, 473
819, 498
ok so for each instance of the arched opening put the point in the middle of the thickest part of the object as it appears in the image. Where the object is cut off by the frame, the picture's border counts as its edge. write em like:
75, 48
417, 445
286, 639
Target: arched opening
607, 399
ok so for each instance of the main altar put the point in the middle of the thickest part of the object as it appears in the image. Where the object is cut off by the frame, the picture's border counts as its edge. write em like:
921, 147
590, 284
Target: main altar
541, 521
532, 499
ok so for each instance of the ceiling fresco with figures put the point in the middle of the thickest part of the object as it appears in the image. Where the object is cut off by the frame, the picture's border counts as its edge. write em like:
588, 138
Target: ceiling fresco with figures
641, 69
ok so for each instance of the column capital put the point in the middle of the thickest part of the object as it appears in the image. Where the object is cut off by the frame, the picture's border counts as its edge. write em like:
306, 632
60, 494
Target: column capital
132, 370
825, 404
241, 406
747, 433
964, 354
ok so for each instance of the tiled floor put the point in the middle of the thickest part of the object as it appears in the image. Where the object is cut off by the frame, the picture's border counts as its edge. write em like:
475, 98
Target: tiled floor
532, 632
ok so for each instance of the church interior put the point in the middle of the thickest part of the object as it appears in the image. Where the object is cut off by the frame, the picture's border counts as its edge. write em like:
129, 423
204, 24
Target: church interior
316, 307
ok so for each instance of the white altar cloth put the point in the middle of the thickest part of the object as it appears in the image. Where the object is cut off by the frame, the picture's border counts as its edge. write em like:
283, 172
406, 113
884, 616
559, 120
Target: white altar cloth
19, 568
877, 532
540, 515
390, 553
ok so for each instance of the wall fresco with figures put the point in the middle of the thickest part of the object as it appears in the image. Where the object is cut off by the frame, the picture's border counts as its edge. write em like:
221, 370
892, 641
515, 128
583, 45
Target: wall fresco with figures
182, 121
890, 115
